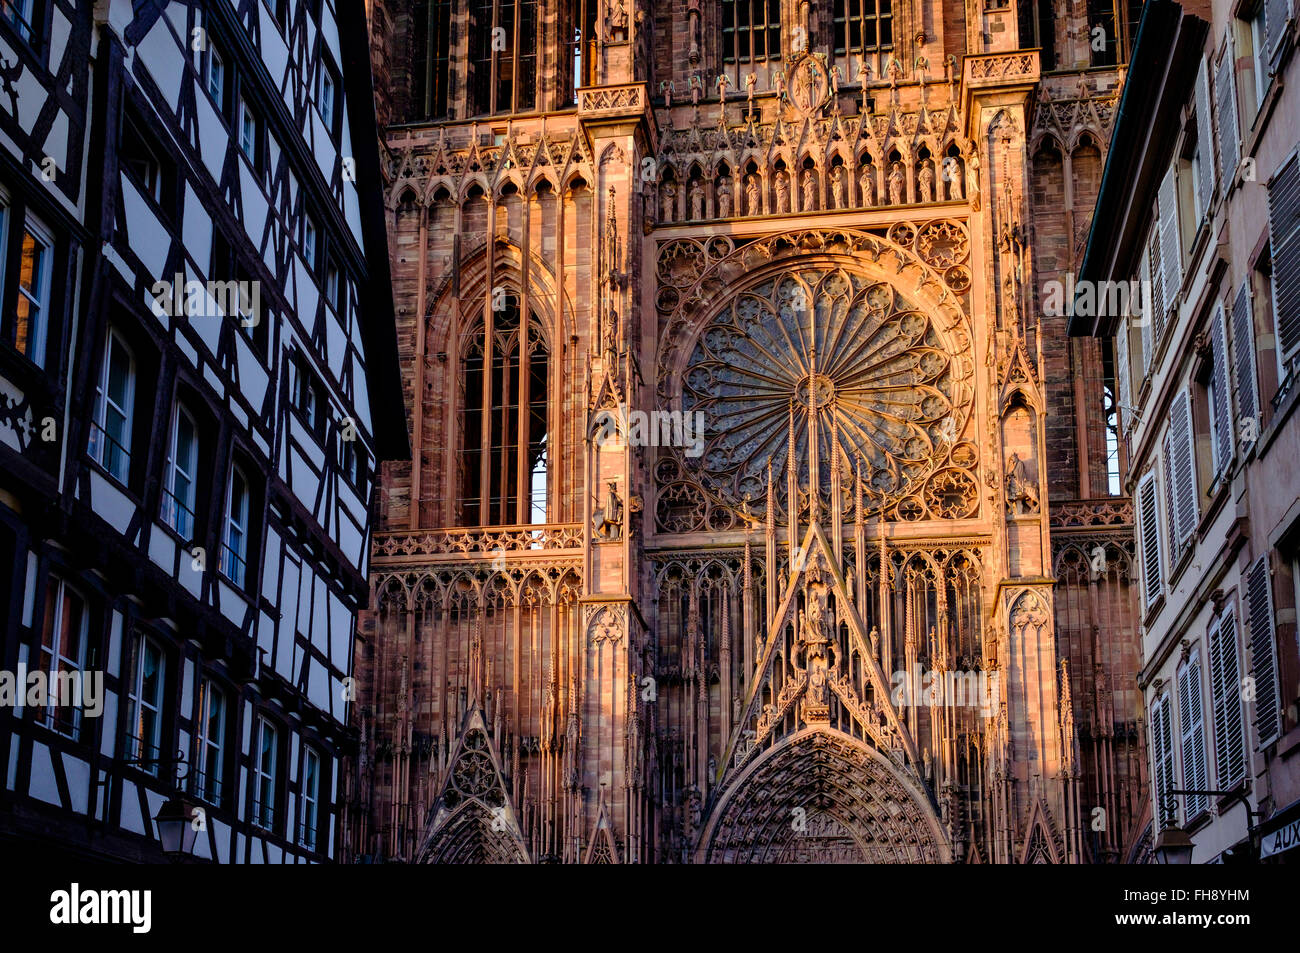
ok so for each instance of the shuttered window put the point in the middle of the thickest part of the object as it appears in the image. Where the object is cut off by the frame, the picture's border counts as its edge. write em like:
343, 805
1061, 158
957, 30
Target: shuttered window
1221, 430
1180, 473
1204, 144
1225, 126
1149, 534
1170, 251
1225, 682
1191, 724
1162, 762
1284, 243
1243, 360
1263, 653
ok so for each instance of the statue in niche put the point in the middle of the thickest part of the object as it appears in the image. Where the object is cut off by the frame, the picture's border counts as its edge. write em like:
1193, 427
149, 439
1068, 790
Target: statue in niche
697, 200
952, 178
616, 21
782, 193
668, 199
867, 185
837, 186
724, 197
608, 519
925, 181
897, 182
1022, 495
751, 195
973, 179
809, 191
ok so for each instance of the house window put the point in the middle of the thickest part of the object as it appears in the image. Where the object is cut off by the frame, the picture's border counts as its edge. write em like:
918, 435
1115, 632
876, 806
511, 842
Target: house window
1162, 761
64, 635
504, 421
332, 284
32, 307
182, 472
145, 701
27, 18
248, 133
140, 159
751, 30
110, 430
210, 742
326, 101
215, 80
234, 545
307, 396
1191, 716
355, 463
503, 45
310, 798
862, 25
1284, 246
431, 58
310, 241
1148, 518
1225, 689
264, 774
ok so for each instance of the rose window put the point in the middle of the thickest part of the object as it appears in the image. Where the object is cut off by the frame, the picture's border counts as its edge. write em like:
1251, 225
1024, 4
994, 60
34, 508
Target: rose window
830, 352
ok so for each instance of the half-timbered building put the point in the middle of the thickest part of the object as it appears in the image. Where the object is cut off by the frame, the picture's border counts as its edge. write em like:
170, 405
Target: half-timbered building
198, 373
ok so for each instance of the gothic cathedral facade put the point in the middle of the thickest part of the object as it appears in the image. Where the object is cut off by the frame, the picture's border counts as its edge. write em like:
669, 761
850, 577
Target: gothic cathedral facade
759, 507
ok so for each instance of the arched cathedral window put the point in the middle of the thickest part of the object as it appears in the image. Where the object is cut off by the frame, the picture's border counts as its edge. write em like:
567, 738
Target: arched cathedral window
503, 421
581, 30
503, 43
751, 30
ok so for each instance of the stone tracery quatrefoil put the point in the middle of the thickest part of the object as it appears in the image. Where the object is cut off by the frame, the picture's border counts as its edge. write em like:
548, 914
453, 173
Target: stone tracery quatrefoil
855, 353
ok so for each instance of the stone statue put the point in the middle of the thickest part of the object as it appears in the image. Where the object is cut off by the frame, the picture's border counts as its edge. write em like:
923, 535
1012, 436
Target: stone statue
867, 184
668, 196
837, 186
751, 196
952, 177
973, 179
616, 21
897, 181
925, 181
809, 191
782, 193
697, 200
608, 520
724, 197
1022, 496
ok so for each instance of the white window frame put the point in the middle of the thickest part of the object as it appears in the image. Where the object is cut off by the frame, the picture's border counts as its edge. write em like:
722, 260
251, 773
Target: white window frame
210, 742
247, 132
1191, 733
265, 773
174, 507
327, 100
142, 748
55, 659
215, 75
308, 832
39, 297
100, 440
234, 536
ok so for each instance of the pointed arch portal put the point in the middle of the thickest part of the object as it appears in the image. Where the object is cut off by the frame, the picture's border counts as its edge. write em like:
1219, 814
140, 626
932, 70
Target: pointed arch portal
822, 797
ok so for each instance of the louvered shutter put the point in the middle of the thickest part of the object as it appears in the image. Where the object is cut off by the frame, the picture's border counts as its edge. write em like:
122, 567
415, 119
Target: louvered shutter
1284, 243
1170, 250
1263, 653
1225, 678
1243, 355
1204, 143
1123, 386
1221, 410
1191, 722
1275, 17
1171, 498
1149, 534
1225, 89
1153, 320
1183, 466
1162, 757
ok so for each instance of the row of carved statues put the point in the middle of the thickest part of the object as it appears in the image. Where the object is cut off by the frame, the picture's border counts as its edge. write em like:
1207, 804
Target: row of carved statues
949, 180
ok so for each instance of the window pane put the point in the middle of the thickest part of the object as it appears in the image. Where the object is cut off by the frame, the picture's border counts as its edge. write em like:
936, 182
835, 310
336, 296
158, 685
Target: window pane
32, 284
